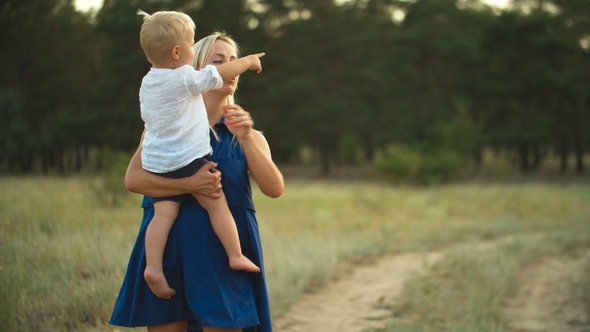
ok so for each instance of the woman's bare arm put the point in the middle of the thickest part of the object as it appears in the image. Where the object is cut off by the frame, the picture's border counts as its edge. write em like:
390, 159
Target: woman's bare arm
140, 181
263, 169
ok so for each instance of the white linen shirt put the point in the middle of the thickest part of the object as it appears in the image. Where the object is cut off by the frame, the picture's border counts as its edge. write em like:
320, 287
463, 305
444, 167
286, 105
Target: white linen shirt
176, 124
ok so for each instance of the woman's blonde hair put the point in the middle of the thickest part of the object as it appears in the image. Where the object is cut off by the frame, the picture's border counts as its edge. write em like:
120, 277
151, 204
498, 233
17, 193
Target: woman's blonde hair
161, 31
202, 52
203, 49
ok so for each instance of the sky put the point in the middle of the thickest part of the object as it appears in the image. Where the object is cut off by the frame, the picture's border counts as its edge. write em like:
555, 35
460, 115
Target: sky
85, 5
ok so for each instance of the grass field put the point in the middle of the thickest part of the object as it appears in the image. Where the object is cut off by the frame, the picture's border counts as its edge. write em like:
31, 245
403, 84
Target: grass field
63, 253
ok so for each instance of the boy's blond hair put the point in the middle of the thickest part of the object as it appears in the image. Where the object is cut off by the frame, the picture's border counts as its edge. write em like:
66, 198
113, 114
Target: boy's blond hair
161, 31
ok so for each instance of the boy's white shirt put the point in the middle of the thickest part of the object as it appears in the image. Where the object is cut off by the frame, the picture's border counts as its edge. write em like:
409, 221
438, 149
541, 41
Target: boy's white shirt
176, 124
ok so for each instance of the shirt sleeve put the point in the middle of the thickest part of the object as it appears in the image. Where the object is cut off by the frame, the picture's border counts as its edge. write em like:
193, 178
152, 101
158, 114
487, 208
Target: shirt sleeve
206, 79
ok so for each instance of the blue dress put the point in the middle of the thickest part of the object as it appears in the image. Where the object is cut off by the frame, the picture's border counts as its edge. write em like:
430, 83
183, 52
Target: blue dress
195, 264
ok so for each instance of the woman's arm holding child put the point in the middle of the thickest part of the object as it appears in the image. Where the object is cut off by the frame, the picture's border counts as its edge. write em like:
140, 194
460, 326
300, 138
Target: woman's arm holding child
140, 181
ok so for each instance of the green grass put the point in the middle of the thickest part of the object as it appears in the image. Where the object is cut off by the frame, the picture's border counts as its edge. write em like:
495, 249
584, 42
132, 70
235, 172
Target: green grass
64, 254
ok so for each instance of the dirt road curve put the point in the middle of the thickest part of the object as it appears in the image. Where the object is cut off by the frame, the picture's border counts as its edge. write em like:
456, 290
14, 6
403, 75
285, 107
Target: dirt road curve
546, 302
351, 303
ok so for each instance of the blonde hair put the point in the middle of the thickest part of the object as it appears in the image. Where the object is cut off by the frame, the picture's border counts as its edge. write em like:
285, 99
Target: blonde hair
203, 50
161, 31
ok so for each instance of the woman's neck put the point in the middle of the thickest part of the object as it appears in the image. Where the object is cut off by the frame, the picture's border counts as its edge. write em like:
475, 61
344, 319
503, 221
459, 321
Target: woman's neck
213, 105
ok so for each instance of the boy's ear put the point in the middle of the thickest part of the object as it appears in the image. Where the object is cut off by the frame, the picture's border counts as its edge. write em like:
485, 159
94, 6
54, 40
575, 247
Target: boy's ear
175, 52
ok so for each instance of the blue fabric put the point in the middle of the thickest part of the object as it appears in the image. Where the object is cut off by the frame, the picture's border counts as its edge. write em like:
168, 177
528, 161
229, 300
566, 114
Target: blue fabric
196, 265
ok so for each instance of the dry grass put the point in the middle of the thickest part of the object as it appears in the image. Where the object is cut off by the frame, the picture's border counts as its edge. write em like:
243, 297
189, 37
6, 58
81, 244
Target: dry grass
316, 226
64, 255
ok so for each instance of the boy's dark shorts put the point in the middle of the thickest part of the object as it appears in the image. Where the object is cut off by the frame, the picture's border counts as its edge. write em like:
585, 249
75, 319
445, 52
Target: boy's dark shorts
183, 172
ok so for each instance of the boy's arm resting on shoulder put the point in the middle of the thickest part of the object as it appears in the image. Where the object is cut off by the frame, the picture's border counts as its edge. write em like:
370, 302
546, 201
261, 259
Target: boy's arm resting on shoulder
140, 181
234, 68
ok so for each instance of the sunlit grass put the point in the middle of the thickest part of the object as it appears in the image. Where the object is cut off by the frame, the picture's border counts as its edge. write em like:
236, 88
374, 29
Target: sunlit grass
316, 226
64, 254
466, 290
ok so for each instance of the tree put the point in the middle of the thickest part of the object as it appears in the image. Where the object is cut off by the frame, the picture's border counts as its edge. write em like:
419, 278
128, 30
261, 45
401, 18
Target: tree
537, 92
48, 63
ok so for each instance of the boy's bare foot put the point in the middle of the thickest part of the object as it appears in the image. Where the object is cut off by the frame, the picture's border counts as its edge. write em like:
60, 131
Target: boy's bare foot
157, 281
242, 263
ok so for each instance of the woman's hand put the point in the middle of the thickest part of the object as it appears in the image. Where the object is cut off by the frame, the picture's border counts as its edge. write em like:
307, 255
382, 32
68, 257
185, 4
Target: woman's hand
204, 182
256, 149
238, 121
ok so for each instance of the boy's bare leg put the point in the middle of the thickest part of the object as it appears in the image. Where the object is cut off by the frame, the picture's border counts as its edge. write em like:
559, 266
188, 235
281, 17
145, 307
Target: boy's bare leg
165, 213
225, 228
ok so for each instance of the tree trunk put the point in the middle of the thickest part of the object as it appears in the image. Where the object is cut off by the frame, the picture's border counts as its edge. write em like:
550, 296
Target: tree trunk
579, 156
325, 159
523, 152
537, 157
327, 148
369, 153
478, 158
562, 150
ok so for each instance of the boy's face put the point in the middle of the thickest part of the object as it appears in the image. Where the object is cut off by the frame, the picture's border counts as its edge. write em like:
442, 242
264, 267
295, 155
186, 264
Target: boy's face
187, 53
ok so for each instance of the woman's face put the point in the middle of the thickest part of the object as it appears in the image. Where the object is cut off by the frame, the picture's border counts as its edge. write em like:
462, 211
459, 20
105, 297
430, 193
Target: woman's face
223, 52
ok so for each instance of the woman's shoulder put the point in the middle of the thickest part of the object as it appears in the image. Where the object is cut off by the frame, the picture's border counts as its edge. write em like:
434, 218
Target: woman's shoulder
260, 139
257, 134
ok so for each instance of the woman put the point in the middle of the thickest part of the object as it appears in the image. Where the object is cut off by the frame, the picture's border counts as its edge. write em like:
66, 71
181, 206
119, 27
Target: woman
195, 264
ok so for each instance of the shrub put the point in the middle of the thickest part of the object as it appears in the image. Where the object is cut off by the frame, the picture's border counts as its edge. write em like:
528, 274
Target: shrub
400, 163
441, 165
426, 165
348, 148
111, 186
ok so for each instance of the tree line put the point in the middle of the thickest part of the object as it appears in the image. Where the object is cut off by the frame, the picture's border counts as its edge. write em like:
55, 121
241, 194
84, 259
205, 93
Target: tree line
340, 77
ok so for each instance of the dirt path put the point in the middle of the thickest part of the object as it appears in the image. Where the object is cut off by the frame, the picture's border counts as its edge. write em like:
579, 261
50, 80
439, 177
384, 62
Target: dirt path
549, 298
546, 301
351, 303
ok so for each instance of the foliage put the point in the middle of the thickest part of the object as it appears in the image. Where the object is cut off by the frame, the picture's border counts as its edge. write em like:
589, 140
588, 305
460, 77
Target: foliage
451, 73
441, 165
400, 163
348, 149
110, 187
15, 133
423, 165
49, 62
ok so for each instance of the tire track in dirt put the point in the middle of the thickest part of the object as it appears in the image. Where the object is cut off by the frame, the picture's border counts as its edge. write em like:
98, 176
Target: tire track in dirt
352, 303
549, 298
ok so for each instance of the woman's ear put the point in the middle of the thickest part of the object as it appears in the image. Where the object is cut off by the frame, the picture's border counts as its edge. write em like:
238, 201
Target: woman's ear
175, 52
